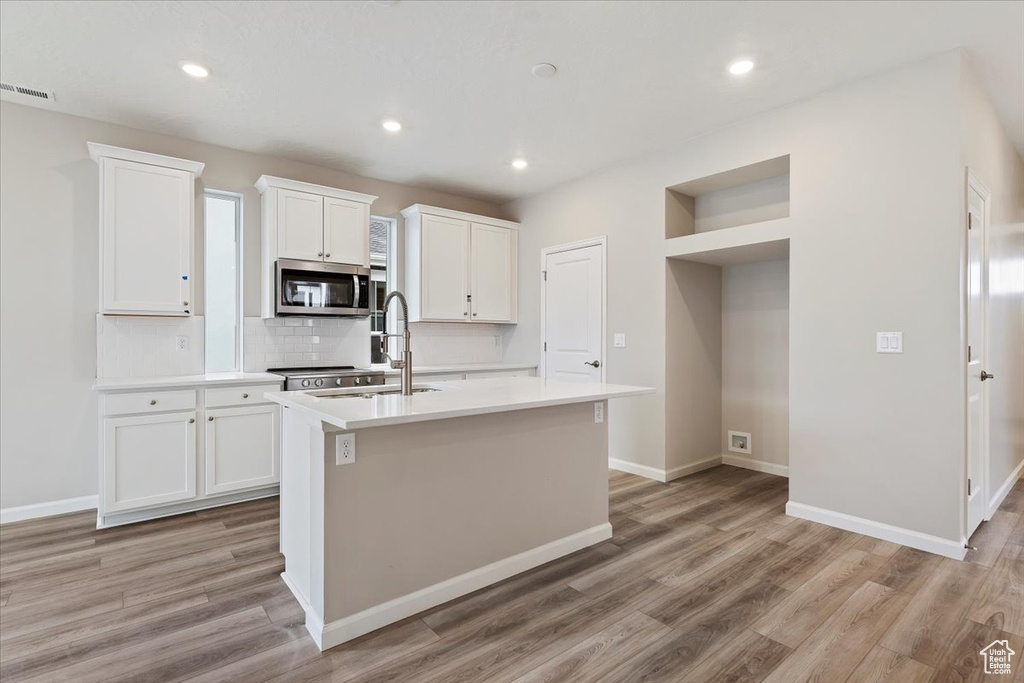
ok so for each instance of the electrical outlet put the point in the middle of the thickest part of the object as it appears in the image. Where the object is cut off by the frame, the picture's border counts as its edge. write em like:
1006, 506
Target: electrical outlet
344, 449
598, 412
181, 343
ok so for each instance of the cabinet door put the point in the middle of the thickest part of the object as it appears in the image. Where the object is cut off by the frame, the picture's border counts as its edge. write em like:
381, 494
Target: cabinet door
147, 238
242, 448
300, 225
444, 269
148, 460
346, 232
493, 274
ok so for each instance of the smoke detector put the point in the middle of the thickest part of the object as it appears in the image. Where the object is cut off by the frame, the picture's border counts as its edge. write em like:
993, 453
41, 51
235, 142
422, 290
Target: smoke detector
30, 92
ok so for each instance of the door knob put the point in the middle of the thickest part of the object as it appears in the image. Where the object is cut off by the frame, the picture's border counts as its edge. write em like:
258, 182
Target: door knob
593, 363
986, 375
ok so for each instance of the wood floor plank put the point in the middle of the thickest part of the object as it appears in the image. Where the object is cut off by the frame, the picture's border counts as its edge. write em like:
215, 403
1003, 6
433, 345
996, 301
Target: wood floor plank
990, 538
352, 660
885, 666
1001, 602
935, 612
837, 646
599, 654
811, 604
962, 661
907, 569
749, 658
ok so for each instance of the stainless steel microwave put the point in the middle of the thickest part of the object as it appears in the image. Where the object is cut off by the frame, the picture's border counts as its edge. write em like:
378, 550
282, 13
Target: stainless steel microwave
310, 288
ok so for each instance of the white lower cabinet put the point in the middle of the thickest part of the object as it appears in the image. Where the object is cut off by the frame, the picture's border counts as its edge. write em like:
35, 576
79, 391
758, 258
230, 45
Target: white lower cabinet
148, 460
242, 448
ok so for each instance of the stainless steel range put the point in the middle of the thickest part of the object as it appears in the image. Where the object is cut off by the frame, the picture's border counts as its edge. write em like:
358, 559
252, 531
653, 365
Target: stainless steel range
297, 379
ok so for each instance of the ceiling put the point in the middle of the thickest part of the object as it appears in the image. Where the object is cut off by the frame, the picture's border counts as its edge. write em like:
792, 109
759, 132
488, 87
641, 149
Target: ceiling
312, 81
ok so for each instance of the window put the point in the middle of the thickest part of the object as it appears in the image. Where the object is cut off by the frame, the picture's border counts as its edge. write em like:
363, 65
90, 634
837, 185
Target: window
223, 211
381, 232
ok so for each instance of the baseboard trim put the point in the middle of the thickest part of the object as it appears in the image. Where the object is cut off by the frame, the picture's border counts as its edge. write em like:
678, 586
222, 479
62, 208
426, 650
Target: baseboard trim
886, 532
313, 623
1004, 490
661, 475
55, 507
133, 516
755, 464
335, 633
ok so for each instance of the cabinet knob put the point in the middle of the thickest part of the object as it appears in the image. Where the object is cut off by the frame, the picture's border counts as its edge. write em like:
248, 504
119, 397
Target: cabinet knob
152, 402
185, 303
191, 420
474, 315
210, 419
245, 395
319, 253
327, 256
465, 313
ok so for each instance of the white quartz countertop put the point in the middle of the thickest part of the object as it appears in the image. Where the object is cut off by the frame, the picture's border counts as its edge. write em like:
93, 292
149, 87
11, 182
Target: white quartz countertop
463, 367
455, 399
211, 379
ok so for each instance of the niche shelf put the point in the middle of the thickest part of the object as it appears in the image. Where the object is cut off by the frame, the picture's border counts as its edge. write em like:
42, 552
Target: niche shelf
765, 241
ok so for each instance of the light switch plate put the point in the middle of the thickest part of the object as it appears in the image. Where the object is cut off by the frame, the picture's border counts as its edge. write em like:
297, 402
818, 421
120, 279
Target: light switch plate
620, 340
889, 342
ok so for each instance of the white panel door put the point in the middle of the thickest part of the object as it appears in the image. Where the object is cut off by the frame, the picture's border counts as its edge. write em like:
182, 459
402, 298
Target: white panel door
977, 274
147, 238
492, 268
242, 448
148, 460
573, 314
444, 268
300, 225
346, 232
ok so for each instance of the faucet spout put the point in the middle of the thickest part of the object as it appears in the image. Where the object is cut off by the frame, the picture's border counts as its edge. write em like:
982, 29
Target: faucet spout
405, 364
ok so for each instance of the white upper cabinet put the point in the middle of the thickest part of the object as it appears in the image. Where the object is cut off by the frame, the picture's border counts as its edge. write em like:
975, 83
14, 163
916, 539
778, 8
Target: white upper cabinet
460, 267
346, 232
311, 222
147, 219
300, 225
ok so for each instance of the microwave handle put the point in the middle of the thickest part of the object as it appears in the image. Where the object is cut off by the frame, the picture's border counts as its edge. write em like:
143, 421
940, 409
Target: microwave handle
355, 296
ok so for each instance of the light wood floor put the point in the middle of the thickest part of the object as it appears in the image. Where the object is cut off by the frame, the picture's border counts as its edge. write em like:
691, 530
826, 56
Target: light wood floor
705, 580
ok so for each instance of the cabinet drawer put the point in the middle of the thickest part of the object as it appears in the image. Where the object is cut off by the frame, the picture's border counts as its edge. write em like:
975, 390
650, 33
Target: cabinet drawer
149, 402
238, 396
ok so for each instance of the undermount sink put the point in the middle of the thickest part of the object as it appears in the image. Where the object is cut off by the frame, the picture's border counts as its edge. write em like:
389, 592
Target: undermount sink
389, 392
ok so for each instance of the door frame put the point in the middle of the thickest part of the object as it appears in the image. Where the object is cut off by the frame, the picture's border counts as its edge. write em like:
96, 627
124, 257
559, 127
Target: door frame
973, 182
600, 241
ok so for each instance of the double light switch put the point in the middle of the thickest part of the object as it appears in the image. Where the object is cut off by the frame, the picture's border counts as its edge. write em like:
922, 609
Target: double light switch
889, 342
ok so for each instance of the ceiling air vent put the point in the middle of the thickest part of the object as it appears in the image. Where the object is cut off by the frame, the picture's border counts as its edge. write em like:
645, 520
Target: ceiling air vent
31, 92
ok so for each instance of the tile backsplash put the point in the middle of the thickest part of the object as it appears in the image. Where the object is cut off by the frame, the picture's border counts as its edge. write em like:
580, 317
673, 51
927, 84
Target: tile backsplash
147, 347
130, 346
298, 342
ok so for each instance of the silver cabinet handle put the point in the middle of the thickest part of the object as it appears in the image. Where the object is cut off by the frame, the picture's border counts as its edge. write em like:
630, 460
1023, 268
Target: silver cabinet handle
191, 420
152, 402
986, 375
245, 395
209, 419
593, 363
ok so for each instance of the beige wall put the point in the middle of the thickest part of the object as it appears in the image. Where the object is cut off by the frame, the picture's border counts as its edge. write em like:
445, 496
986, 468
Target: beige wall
755, 357
992, 158
876, 189
48, 280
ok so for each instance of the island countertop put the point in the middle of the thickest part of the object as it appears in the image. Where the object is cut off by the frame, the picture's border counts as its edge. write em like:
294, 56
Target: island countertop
453, 399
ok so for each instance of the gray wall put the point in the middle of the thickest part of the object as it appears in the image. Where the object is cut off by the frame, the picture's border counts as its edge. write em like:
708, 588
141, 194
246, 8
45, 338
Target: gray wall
877, 190
48, 280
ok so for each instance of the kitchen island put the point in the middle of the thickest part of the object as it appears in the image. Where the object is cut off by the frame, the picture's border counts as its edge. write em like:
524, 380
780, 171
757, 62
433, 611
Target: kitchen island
393, 504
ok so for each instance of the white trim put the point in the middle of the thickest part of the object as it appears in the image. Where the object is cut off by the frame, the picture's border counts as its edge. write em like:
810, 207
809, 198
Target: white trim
663, 475
266, 182
755, 464
601, 241
118, 519
1004, 490
313, 623
416, 209
886, 532
54, 507
336, 632
98, 150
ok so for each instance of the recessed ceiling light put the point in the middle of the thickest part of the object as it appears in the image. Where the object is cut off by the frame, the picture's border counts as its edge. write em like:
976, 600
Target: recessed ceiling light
519, 164
195, 70
740, 67
544, 70
391, 126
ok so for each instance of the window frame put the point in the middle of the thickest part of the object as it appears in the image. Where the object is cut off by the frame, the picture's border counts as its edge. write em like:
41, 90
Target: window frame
237, 199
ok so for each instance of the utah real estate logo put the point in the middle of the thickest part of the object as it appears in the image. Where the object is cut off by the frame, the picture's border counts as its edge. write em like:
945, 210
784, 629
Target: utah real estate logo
997, 657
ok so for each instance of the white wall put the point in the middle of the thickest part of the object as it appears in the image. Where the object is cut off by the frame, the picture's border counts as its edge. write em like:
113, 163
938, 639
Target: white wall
48, 280
994, 161
876, 186
755, 357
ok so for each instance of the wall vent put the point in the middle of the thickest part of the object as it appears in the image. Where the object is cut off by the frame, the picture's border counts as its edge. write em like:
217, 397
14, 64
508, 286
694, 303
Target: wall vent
31, 92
